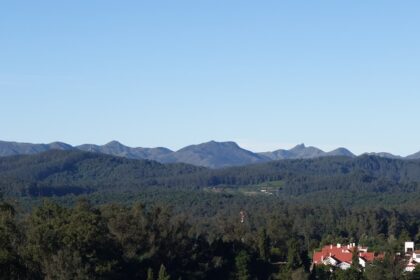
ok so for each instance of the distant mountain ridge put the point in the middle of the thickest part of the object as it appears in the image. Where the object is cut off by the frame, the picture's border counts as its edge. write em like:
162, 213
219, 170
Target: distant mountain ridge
303, 152
117, 149
16, 148
210, 154
388, 155
215, 155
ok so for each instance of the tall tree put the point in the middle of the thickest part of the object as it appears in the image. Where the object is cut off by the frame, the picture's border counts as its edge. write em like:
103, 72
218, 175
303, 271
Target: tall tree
242, 262
163, 275
355, 258
11, 265
263, 245
294, 259
150, 275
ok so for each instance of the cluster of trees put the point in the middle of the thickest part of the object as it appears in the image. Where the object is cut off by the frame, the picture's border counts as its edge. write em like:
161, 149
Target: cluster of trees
74, 172
116, 242
200, 236
59, 173
115, 218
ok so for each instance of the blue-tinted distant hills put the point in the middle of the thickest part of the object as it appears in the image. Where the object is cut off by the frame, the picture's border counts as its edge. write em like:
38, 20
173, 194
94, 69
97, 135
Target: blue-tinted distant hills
388, 155
303, 152
15, 148
216, 155
210, 154
414, 156
115, 148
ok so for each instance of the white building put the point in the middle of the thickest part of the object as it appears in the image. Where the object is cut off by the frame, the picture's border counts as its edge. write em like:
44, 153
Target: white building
409, 247
412, 255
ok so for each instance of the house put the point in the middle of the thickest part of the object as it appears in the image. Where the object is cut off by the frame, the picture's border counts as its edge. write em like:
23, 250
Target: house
411, 255
341, 256
409, 247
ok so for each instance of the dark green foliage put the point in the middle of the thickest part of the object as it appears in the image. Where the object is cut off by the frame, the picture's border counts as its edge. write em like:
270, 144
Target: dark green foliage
376, 271
415, 275
389, 268
142, 214
11, 263
75, 243
295, 256
263, 245
321, 272
116, 241
59, 173
299, 274
163, 275
349, 274
242, 262
150, 275
355, 259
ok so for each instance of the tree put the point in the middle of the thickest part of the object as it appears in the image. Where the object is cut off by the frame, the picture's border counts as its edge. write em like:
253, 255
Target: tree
294, 259
163, 275
150, 275
242, 262
375, 271
11, 266
299, 274
263, 245
355, 258
349, 274
415, 275
321, 272
70, 243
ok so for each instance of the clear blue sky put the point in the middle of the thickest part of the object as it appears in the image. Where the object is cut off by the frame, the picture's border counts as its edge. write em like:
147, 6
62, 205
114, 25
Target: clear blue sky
267, 74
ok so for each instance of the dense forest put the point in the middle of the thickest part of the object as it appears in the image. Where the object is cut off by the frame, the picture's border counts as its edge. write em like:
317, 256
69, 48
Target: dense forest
77, 215
74, 172
195, 236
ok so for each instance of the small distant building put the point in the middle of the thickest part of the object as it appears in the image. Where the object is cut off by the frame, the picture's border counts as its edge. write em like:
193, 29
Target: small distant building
416, 256
341, 256
409, 247
411, 255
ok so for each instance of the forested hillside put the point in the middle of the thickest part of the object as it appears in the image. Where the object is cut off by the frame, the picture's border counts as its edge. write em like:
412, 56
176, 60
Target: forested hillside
115, 218
196, 235
74, 172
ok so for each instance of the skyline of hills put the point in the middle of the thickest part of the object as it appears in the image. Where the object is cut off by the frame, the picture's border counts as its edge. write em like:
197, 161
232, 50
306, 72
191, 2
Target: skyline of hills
210, 154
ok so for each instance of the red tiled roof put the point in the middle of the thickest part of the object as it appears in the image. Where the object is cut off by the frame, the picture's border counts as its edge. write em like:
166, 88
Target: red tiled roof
342, 254
369, 256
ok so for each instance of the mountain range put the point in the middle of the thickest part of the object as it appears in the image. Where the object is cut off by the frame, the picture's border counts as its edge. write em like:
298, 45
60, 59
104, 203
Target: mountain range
210, 154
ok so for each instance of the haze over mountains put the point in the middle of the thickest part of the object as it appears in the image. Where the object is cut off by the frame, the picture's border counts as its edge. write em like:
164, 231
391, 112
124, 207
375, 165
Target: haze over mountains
210, 154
